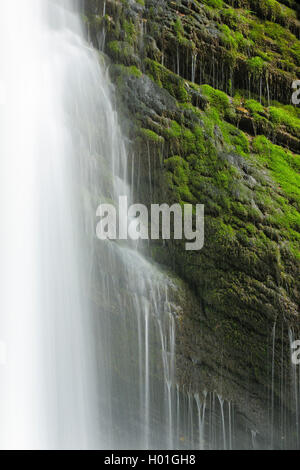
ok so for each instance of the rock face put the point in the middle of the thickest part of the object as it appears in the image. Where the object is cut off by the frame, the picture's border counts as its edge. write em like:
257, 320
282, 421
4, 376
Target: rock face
204, 92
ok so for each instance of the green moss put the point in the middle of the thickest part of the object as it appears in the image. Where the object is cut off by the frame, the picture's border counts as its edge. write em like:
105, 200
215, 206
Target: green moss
265, 125
273, 10
254, 107
122, 51
178, 28
174, 130
216, 98
132, 70
178, 177
285, 166
201, 170
225, 232
190, 141
180, 33
256, 65
130, 31
228, 37
214, 3
287, 117
115, 47
240, 141
152, 137
174, 84
235, 40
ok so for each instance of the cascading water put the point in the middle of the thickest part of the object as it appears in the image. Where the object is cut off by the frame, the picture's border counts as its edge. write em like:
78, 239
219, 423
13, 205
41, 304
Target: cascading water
80, 319
47, 386
87, 328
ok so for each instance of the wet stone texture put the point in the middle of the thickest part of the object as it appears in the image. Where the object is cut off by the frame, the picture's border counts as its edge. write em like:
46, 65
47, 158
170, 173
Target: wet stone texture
203, 91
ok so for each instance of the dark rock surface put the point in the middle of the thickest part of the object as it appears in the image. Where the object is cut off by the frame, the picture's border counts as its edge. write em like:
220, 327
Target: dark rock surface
228, 145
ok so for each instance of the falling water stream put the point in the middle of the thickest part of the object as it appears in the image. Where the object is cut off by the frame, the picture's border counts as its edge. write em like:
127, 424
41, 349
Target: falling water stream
47, 384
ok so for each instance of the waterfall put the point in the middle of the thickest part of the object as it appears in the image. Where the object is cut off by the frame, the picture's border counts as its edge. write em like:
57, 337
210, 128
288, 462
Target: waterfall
48, 391
87, 327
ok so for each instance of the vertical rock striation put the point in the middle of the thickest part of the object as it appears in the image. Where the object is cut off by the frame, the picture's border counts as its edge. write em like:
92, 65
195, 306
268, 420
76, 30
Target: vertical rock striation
204, 94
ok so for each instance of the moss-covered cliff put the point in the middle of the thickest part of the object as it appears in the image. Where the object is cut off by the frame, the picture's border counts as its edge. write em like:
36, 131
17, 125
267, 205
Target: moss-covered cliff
205, 92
